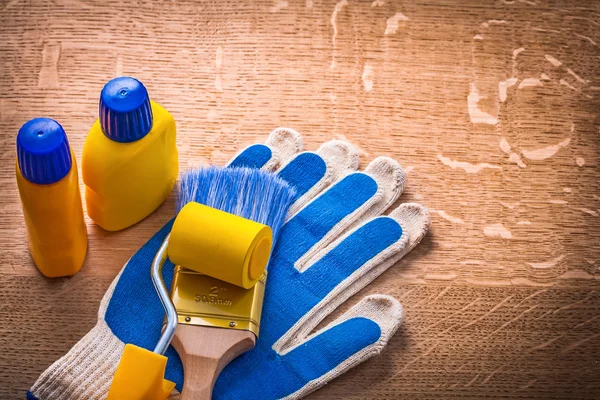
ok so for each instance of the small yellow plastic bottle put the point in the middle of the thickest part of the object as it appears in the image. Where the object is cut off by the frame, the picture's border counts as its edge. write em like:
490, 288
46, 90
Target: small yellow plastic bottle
130, 160
47, 180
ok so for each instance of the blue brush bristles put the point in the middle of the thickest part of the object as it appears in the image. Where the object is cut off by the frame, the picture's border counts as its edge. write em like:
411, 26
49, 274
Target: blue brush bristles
247, 192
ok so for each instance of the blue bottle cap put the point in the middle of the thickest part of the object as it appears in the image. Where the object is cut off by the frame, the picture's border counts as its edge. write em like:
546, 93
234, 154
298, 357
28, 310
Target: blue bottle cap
43, 151
125, 112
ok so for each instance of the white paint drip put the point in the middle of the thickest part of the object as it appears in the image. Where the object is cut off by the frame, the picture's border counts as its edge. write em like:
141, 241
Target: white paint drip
338, 7
504, 146
497, 230
478, 37
580, 161
577, 77
547, 264
279, 4
478, 116
367, 77
468, 167
567, 190
586, 38
544, 77
567, 84
377, 3
588, 211
524, 223
553, 60
514, 157
503, 87
528, 82
531, 3
394, 22
545, 152
572, 127
454, 220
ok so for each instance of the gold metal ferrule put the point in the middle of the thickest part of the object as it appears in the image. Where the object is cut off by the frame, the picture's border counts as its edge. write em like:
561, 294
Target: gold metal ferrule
205, 301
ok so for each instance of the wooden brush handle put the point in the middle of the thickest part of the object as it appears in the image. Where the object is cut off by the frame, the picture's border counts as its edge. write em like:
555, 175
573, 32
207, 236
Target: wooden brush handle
204, 353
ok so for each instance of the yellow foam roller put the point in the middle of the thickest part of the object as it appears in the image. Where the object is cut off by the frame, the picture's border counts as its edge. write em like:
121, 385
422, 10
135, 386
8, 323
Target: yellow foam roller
219, 244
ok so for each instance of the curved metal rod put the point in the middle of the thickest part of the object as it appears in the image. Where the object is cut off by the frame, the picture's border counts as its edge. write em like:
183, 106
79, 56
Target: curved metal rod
163, 294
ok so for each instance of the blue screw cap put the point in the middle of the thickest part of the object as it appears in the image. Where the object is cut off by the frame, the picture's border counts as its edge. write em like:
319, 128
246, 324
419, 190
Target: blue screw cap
125, 112
43, 151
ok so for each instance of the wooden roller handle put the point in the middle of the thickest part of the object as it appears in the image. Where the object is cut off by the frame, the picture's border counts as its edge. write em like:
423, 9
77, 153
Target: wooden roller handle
204, 353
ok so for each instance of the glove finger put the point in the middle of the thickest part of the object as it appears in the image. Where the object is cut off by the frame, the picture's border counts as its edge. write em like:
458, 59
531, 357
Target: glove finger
356, 336
340, 159
355, 260
390, 178
311, 224
282, 144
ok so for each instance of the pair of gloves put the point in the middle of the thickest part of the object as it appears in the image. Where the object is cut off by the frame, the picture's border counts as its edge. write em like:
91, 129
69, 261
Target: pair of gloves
336, 241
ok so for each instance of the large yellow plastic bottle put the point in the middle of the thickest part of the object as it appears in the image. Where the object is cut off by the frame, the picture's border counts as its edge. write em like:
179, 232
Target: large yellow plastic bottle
47, 179
130, 160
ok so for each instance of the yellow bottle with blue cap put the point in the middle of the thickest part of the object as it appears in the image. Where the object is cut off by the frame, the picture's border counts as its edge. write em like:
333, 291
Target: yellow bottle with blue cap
130, 160
47, 179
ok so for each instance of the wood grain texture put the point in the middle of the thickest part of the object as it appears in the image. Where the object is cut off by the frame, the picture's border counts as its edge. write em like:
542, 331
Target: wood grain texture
492, 107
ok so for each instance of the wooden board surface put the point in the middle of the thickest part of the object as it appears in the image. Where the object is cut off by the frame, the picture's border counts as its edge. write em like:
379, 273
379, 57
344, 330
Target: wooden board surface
491, 106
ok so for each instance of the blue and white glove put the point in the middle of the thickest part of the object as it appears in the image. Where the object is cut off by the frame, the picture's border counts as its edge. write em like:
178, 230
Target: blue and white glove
335, 242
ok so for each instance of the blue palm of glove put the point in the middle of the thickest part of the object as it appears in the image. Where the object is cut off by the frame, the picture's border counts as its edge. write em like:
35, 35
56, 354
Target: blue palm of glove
275, 368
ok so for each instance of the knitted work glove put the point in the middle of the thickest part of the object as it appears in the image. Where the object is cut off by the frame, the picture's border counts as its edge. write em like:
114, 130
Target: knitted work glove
335, 243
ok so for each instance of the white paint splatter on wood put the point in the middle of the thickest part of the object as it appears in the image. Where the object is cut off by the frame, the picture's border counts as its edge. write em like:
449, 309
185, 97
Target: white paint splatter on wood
367, 77
588, 211
580, 161
377, 3
514, 157
553, 60
497, 230
576, 274
577, 77
567, 190
478, 116
504, 146
557, 201
447, 217
48, 76
528, 82
393, 23
524, 223
478, 37
468, 167
279, 4
545, 152
517, 51
503, 87
589, 39
512, 206
338, 7
567, 84
309, 3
